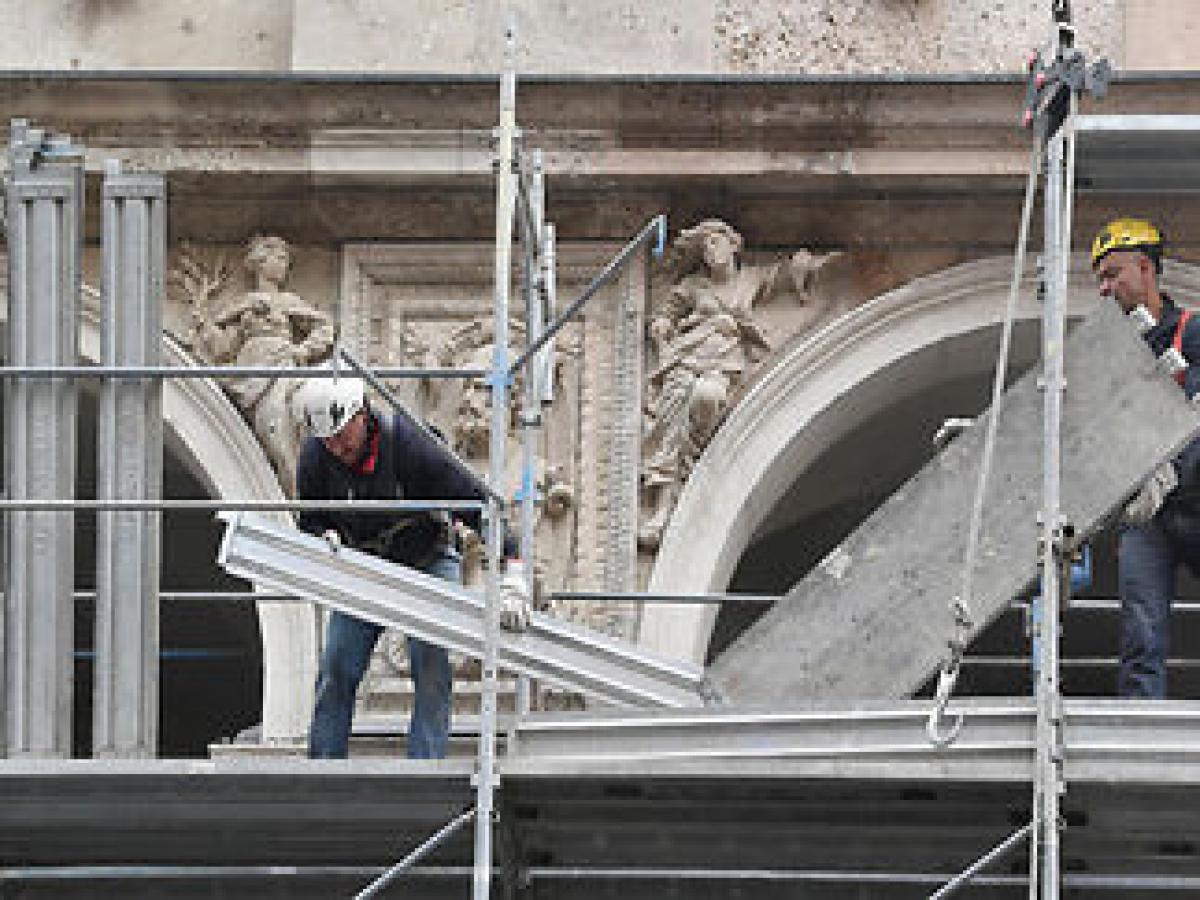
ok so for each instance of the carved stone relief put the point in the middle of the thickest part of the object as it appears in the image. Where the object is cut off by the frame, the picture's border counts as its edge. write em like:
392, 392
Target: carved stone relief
255, 323
431, 306
706, 336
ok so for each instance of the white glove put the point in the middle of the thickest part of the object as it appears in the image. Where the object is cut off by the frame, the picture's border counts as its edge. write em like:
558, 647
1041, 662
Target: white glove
1149, 500
516, 597
333, 539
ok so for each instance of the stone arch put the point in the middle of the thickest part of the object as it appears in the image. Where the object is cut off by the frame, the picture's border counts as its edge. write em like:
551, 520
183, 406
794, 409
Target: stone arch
206, 432
788, 418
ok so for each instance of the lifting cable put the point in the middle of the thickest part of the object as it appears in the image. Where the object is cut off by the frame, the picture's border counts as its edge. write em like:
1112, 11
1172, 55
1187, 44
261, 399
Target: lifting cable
940, 733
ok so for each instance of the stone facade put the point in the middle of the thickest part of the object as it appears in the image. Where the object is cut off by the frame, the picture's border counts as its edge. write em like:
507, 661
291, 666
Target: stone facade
600, 37
839, 190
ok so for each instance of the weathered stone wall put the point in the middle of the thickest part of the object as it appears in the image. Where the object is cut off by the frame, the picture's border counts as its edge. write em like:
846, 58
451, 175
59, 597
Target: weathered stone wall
597, 37
930, 36
146, 34
694, 36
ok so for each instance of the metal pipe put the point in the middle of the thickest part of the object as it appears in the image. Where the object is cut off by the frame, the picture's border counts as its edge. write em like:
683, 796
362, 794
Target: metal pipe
10, 372
652, 229
53, 874
1097, 882
531, 407
1048, 778
969, 873
485, 787
544, 358
634, 597
246, 505
1110, 604
209, 595
1078, 662
423, 850
68, 874
767, 875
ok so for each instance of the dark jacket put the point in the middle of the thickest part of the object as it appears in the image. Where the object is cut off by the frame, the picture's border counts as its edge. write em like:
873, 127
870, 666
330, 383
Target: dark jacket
1160, 337
410, 465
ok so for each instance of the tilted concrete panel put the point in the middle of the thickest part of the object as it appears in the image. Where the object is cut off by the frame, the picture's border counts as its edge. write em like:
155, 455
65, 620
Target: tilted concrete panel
872, 620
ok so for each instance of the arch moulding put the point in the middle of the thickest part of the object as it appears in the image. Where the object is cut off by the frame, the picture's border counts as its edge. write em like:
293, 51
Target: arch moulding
210, 437
797, 410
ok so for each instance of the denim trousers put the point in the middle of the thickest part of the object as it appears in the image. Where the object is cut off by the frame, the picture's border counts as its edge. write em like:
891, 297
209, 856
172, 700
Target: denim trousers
348, 645
1148, 558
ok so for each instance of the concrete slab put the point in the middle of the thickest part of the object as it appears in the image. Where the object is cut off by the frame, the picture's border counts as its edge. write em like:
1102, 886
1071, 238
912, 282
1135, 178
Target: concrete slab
872, 620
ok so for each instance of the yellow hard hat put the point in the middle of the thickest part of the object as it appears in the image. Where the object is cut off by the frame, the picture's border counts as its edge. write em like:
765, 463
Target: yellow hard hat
1127, 234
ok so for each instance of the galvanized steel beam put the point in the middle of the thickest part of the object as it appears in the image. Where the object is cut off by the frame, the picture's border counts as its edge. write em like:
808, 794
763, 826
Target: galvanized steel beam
576, 658
1112, 741
45, 211
129, 467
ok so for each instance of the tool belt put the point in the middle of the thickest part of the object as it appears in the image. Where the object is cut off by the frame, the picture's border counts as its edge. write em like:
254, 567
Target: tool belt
413, 540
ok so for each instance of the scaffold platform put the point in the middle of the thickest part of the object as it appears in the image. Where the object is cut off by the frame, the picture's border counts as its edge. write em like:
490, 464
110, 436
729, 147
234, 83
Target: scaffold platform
823, 803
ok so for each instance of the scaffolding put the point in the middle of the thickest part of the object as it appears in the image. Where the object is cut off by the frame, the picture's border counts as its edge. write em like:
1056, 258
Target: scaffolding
44, 215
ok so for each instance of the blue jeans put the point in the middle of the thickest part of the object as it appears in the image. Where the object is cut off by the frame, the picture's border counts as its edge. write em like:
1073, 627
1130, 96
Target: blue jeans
1148, 556
348, 647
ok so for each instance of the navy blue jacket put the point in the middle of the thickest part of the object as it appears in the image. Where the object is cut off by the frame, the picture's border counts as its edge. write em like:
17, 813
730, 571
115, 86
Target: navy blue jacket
410, 466
1160, 337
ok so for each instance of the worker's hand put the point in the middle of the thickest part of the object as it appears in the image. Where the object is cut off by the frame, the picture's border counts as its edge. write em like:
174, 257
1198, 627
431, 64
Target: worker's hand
516, 597
333, 539
1149, 500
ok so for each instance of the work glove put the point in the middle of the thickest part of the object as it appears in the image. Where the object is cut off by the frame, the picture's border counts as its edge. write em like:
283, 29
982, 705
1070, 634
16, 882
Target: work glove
1149, 500
516, 597
333, 539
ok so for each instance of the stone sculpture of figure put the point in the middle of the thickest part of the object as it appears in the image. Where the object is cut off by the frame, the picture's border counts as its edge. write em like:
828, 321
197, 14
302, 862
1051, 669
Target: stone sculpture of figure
464, 408
265, 326
703, 343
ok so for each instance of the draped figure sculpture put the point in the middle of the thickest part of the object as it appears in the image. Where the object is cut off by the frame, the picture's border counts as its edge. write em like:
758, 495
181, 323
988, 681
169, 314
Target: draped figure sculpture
266, 325
703, 342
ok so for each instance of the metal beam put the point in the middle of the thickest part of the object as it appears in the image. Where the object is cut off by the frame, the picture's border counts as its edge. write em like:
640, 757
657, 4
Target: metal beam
45, 213
1109, 743
576, 658
129, 433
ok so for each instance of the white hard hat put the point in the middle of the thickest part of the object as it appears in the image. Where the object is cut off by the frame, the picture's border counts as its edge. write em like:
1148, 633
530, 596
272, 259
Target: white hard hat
323, 406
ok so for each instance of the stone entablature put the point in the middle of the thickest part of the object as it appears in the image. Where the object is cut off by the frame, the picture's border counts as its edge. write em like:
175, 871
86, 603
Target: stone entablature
867, 164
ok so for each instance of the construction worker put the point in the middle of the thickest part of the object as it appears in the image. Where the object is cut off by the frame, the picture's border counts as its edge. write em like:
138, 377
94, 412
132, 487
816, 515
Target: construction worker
351, 452
1160, 527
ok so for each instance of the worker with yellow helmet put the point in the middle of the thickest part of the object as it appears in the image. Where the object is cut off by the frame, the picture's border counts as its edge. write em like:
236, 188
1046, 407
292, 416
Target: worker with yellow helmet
1161, 525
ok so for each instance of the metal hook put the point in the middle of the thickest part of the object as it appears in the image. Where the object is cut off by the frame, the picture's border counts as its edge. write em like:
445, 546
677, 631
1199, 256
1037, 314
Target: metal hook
941, 735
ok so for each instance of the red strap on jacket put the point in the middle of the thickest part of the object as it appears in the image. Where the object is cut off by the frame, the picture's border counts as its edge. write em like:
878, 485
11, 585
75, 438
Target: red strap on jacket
1177, 342
366, 465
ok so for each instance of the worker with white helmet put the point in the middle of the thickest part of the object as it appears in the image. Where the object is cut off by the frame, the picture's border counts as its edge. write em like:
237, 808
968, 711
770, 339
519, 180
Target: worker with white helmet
1161, 525
352, 452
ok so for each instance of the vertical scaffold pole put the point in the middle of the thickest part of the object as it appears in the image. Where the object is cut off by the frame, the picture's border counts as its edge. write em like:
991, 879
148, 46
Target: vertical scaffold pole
531, 408
129, 467
45, 215
545, 356
485, 786
1048, 775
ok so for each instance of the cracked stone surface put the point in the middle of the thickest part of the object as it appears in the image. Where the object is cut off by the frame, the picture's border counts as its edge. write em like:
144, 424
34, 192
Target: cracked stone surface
927, 36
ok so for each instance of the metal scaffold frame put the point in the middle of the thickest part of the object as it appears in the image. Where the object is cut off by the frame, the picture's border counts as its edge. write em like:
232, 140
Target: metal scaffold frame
134, 253
131, 376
